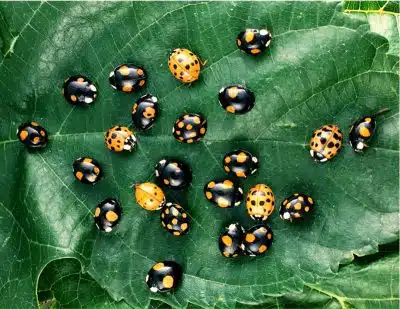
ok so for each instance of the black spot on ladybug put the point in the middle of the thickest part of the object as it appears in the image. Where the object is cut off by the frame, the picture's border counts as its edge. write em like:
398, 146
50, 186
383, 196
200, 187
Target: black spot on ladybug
196, 62
337, 145
330, 145
191, 54
187, 67
323, 140
109, 141
336, 136
268, 200
112, 148
192, 64
262, 203
175, 66
319, 134
114, 136
253, 203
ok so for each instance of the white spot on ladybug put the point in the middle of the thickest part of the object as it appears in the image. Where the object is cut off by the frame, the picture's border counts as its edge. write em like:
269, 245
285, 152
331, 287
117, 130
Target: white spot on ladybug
154, 289
254, 159
323, 160
147, 278
93, 88
162, 161
157, 173
267, 44
253, 171
360, 146
169, 204
108, 229
113, 86
237, 203
312, 153
128, 147
221, 90
173, 130
240, 190
88, 100
286, 216
111, 74
154, 99
263, 31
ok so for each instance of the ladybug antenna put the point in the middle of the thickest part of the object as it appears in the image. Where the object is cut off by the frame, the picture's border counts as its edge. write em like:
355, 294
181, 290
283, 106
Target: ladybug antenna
382, 111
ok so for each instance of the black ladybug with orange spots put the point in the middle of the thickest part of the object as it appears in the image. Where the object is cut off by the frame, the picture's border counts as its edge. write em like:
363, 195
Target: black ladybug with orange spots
107, 215
175, 219
190, 128
236, 99
145, 112
254, 41
78, 89
87, 170
127, 78
230, 241
164, 276
295, 207
240, 163
174, 174
32, 135
224, 194
362, 131
257, 240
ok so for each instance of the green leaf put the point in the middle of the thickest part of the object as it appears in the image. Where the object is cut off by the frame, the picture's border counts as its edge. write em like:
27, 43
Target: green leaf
323, 66
382, 7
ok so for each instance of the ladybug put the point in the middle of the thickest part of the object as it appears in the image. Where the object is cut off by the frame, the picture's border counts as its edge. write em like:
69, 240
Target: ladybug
224, 194
326, 142
87, 170
240, 163
145, 112
107, 215
236, 99
260, 202
78, 89
189, 128
149, 196
184, 65
175, 219
127, 78
257, 240
173, 173
362, 131
230, 241
296, 206
119, 138
32, 135
164, 276
253, 41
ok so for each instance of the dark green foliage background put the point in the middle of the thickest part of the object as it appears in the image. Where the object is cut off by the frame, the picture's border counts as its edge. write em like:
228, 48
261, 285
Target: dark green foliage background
323, 67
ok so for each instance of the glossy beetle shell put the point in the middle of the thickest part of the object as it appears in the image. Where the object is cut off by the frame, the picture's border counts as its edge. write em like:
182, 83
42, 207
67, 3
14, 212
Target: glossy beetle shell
224, 194
87, 170
164, 276
296, 206
189, 128
32, 135
145, 112
236, 99
254, 41
107, 215
173, 173
257, 240
240, 163
230, 241
127, 78
175, 219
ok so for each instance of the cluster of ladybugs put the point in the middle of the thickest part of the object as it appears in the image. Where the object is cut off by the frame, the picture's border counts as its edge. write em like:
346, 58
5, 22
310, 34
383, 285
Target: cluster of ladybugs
189, 128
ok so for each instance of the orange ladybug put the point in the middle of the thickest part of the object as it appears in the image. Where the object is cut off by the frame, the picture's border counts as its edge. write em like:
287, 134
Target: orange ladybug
120, 138
260, 202
326, 142
184, 65
149, 196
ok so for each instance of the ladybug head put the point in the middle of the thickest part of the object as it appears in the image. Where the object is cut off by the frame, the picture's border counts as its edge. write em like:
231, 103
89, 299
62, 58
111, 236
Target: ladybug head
317, 156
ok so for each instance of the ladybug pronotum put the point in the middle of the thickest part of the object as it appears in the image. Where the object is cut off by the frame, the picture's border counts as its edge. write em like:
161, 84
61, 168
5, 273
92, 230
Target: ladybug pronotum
326, 142
32, 135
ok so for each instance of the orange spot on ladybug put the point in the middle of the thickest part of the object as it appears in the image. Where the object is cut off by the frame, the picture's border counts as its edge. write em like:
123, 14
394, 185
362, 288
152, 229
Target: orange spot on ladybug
97, 212
196, 120
368, 119
158, 266
79, 175
36, 140
269, 235
87, 160
111, 216
203, 131
249, 36
142, 82
80, 80
227, 159
230, 109
310, 200
209, 195
166, 181
306, 209
174, 221
297, 206
96, 170
222, 202
189, 127
241, 157
124, 70
181, 124
228, 183
227, 240
189, 141
255, 51
233, 92
73, 98
140, 72
184, 226
364, 132
240, 174
23, 135
42, 133
239, 42
127, 88
34, 123
211, 184
250, 238
226, 168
